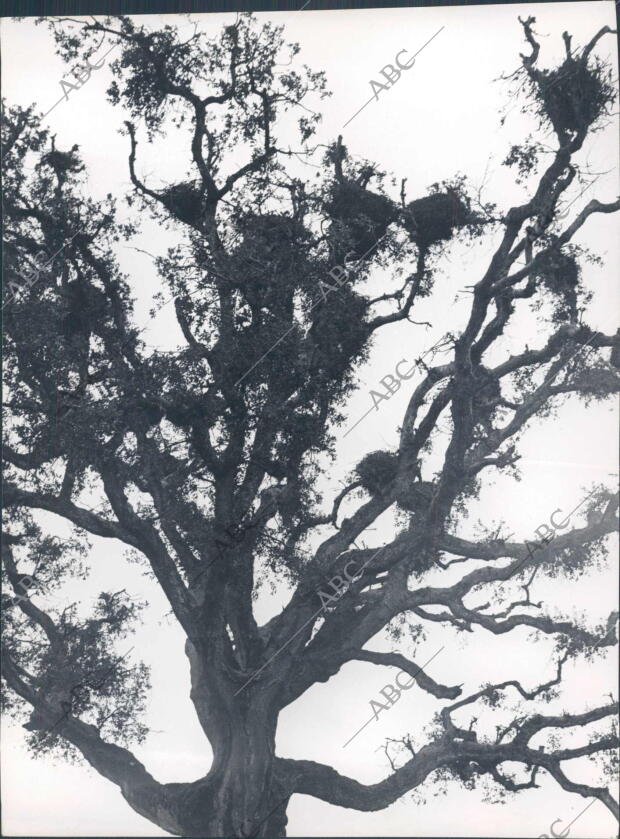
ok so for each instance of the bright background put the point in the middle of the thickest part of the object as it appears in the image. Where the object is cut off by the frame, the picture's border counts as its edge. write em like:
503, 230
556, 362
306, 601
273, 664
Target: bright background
442, 117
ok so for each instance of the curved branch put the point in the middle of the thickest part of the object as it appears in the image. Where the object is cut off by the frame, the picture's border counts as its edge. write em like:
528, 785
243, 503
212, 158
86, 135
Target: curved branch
422, 679
142, 792
129, 529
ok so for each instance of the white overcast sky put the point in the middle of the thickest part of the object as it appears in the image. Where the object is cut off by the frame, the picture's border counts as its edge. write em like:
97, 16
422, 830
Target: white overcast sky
442, 117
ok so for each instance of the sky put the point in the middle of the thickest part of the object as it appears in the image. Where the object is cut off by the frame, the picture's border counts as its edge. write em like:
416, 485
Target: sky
441, 117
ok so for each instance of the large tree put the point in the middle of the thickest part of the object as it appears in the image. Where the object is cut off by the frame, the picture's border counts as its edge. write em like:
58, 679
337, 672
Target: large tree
206, 460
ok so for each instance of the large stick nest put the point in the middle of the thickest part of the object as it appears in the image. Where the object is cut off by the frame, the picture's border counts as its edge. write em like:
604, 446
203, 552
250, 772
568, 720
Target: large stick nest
184, 200
361, 217
559, 273
377, 470
62, 161
575, 95
433, 218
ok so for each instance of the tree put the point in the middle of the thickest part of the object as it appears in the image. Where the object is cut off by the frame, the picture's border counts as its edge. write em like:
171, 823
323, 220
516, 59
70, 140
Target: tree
207, 459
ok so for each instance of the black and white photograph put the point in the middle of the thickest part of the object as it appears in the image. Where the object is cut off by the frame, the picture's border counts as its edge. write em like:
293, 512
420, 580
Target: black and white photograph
311, 361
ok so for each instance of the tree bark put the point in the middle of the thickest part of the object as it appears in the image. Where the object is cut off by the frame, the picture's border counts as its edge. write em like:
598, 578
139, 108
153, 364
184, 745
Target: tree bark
240, 796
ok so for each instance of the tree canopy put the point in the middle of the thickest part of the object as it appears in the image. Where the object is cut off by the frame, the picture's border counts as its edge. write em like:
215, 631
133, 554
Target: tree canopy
206, 460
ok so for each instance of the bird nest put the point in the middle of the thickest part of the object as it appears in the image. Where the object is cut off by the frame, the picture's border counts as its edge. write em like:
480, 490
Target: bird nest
63, 161
184, 200
433, 218
575, 94
559, 273
377, 470
361, 216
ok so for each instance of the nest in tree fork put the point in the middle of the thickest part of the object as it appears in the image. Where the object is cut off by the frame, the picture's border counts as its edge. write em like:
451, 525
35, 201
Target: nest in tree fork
559, 273
574, 95
377, 470
184, 200
433, 218
62, 161
362, 215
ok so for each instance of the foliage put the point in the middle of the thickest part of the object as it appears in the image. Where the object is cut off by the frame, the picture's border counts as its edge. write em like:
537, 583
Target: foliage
207, 460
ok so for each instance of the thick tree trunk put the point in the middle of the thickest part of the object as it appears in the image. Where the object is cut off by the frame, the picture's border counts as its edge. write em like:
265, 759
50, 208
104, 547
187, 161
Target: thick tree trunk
240, 797
244, 791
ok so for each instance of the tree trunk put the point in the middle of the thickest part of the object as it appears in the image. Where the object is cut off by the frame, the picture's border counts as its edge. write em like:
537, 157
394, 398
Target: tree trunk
245, 800
240, 797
